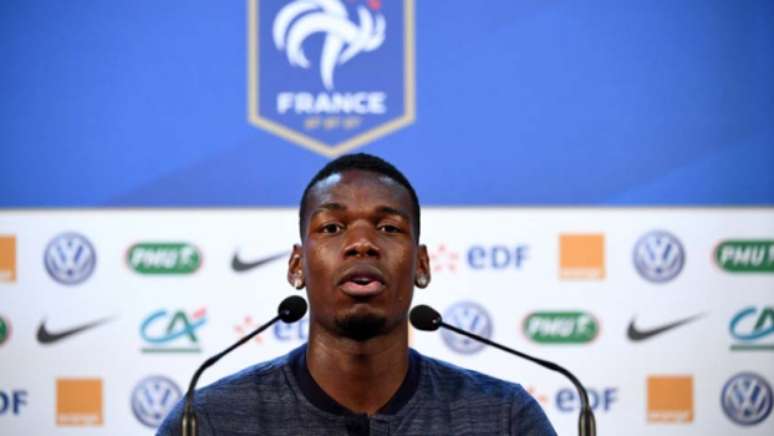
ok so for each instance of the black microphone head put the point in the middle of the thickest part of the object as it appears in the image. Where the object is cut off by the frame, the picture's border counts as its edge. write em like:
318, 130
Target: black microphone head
292, 309
425, 318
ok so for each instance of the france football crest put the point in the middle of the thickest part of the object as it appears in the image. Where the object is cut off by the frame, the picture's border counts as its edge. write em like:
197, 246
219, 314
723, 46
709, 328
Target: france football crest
331, 75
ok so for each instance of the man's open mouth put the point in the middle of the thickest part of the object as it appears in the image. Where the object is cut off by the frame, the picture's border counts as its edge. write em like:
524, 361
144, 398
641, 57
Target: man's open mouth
362, 283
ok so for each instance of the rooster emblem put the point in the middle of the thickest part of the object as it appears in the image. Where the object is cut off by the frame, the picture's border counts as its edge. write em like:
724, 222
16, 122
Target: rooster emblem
344, 39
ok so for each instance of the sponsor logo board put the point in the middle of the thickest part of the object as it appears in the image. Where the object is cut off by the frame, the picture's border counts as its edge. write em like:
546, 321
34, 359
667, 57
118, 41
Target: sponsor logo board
245, 327
153, 398
638, 334
659, 256
496, 257
12, 401
747, 399
582, 256
670, 399
240, 264
600, 399
70, 258
7, 258
752, 328
468, 316
164, 258
5, 330
745, 256
444, 258
46, 336
172, 331
571, 327
331, 75
293, 332
566, 400
79, 402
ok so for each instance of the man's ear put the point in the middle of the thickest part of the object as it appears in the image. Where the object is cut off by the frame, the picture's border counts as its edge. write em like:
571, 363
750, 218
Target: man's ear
295, 268
422, 274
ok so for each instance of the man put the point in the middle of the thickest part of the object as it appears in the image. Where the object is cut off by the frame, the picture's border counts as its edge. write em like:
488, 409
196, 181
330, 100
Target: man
359, 260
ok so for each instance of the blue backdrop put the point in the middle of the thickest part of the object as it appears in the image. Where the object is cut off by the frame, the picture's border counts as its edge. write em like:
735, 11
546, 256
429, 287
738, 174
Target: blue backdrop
644, 102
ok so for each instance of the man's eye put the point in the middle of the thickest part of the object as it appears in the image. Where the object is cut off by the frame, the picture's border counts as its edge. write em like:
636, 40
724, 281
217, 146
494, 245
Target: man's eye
389, 228
331, 228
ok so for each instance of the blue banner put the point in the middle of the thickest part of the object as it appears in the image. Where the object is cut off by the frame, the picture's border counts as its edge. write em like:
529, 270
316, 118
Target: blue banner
201, 103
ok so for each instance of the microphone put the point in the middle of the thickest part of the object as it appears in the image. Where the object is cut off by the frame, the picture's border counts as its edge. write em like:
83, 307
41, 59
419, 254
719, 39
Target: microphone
426, 318
290, 310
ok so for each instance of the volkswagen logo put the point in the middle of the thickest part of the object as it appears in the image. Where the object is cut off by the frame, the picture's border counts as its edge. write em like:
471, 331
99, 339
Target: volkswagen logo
70, 258
659, 256
746, 398
153, 398
467, 316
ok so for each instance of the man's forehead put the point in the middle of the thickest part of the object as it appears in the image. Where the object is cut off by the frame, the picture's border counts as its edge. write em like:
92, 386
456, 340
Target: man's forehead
346, 181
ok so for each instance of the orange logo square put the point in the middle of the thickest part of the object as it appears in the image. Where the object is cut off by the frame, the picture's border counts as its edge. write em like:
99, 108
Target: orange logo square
7, 258
670, 398
79, 402
582, 256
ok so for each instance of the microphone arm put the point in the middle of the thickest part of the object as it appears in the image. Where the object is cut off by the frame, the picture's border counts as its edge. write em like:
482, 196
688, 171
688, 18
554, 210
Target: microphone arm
290, 310
426, 318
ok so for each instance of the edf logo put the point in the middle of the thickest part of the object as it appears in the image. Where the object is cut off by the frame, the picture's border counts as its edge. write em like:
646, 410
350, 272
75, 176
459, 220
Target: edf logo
297, 331
567, 399
499, 257
12, 401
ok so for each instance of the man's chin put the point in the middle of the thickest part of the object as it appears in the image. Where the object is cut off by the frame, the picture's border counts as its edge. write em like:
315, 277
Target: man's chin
361, 327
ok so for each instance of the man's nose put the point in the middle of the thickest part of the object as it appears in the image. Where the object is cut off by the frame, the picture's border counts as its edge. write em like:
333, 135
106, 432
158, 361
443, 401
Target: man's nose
361, 244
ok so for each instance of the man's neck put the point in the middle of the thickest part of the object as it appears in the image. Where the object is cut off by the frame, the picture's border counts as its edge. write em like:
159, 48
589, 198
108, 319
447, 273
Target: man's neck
361, 376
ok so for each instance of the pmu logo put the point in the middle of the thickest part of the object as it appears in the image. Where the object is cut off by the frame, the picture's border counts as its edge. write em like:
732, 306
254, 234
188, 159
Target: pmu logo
747, 398
561, 327
153, 398
467, 316
70, 258
659, 256
5, 330
172, 331
331, 75
746, 256
753, 329
164, 258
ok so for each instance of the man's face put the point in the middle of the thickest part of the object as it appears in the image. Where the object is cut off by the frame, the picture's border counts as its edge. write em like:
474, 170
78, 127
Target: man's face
359, 258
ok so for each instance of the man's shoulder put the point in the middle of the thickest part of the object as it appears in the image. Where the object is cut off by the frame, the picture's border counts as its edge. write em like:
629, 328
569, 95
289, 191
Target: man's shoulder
248, 381
483, 399
234, 394
464, 383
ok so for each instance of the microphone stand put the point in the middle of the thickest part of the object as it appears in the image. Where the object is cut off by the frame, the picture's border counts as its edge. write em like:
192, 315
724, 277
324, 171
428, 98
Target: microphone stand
586, 423
188, 423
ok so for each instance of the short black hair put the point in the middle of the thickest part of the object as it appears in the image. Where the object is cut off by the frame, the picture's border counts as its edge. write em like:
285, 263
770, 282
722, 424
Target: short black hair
363, 162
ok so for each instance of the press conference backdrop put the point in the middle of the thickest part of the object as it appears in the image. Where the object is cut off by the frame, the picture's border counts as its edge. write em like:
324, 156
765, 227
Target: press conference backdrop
597, 181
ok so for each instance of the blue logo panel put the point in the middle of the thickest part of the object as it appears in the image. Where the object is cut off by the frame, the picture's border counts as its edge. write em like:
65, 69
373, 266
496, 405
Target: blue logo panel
70, 258
331, 75
747, 399
153, 398
468, 316
659, 256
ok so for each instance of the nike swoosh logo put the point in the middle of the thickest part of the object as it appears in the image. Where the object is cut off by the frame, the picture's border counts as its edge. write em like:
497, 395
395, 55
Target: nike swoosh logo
239, 266
47, 337
636, 334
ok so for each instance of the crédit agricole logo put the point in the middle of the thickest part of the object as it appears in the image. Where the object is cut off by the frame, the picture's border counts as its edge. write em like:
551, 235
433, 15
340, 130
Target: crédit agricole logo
331, 75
